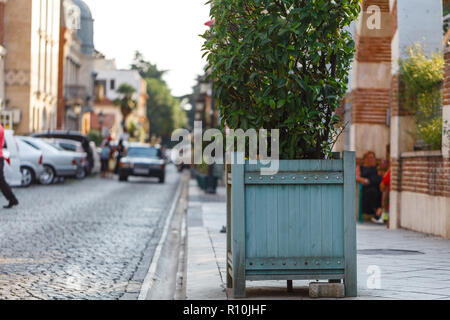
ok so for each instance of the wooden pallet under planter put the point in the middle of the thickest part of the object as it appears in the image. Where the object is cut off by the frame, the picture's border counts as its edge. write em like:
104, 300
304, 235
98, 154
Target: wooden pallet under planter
299, 224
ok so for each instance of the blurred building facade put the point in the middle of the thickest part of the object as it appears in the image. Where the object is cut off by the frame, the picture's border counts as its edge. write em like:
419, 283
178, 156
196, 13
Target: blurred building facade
376, 121
107, 116
76, 65
30, 46
2, 56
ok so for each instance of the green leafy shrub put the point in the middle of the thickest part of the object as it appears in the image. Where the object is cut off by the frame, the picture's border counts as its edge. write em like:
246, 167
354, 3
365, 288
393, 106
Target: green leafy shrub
95, 135
422, 77
202, 168
282, 64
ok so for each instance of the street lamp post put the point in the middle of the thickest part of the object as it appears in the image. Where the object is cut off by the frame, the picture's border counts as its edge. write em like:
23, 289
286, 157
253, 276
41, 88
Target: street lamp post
101, 119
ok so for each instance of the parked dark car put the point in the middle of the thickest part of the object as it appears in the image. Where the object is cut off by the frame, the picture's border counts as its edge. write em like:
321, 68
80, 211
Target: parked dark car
75, 136
143, 161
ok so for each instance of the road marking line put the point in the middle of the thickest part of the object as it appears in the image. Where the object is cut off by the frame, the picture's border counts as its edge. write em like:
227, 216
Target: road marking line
149, 278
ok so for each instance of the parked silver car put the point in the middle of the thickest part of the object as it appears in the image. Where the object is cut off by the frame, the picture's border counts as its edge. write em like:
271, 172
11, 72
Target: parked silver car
57, 162
71, 146
31, 163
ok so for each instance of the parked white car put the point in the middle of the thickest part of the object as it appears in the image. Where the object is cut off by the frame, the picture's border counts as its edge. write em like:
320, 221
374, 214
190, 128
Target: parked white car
12, 160
31, 163
57, 162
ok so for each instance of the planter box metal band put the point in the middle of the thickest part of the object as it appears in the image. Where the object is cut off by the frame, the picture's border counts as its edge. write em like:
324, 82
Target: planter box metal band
298, 224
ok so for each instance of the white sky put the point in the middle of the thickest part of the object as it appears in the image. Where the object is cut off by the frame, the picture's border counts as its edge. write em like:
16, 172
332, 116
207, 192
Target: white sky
165, 31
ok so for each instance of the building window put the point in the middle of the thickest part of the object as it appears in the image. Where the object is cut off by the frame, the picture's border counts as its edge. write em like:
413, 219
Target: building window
100, 90
113, 84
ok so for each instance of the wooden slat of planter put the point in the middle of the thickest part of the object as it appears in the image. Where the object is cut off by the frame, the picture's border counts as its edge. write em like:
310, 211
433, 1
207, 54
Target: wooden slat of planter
317, 274
316, 220
282, 197
328, 197
298, 275
272, 220
317, 178
260, 218
250, 221
304, 165
229, 231
294, 233
349, 160
337, 222
304, 194
238, 227
310, 263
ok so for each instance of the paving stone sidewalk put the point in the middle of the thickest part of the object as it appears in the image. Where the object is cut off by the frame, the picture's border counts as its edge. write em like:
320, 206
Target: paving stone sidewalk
392, 264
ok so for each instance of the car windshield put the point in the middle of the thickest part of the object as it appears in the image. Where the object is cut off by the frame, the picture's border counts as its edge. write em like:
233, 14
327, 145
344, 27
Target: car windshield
143, 152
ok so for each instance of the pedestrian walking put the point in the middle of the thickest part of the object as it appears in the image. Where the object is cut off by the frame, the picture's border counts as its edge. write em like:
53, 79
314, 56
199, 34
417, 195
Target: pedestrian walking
105, 155
383, 212
120, 153
368, 176
5, 188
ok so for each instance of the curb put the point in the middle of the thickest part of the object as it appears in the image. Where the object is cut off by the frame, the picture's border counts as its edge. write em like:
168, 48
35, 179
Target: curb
150, 276
180, 289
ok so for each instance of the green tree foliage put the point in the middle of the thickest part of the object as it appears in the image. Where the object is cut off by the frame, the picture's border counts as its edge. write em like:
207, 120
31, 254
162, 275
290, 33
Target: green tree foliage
422, 77
164, 111
145, 68
126, 102
136, 131
282, 64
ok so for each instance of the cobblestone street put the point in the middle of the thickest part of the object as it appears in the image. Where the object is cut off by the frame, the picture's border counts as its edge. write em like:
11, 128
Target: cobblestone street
90, 239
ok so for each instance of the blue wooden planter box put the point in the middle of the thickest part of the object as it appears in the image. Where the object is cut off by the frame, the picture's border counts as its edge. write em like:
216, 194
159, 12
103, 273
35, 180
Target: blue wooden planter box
203, 181
299, 224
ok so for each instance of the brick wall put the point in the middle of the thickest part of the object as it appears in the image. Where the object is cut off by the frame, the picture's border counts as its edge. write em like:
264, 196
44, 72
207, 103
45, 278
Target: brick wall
396, 108
370, 105
426, 172
383, 4
370, 100
373, 49
422, 174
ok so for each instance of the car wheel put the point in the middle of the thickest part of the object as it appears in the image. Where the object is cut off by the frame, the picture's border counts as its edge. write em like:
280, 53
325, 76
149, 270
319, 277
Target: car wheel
162, 179
81, 173
123, 178
48, 176
27, 176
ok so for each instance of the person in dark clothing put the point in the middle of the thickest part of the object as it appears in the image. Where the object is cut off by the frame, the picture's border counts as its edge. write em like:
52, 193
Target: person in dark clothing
4, 187
120, 154
368, 176
105, 155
